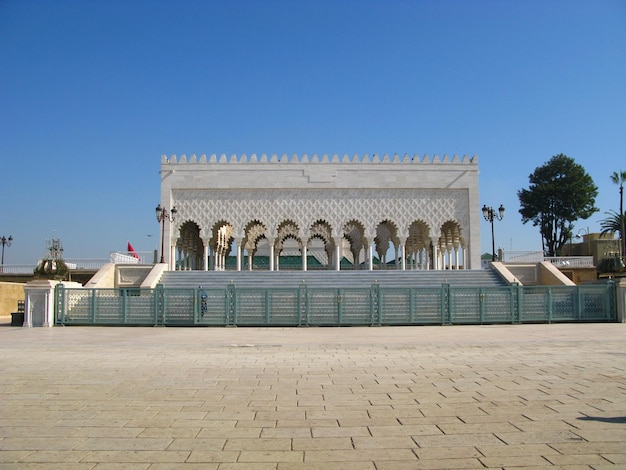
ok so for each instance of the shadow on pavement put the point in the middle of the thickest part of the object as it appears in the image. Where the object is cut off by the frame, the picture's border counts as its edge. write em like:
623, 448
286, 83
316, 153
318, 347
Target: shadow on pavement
616, 419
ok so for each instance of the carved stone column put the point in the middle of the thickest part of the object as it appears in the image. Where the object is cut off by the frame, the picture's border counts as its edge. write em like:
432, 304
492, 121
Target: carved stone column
205, 255
370, 253
338, 245
239, 252
403, 254
172, 258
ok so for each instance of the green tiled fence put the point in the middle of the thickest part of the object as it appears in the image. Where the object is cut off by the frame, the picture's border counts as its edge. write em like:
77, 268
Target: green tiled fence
232, 306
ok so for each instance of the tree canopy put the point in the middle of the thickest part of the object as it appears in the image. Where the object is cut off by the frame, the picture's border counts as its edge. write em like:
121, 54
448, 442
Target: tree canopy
560, 192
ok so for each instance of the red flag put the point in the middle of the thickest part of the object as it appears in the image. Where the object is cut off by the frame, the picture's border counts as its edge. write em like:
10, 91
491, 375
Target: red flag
131, 251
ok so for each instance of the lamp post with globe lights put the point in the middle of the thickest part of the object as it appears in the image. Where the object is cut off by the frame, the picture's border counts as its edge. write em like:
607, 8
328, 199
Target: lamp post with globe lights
162, 214
490, 215
585, 231
5, 242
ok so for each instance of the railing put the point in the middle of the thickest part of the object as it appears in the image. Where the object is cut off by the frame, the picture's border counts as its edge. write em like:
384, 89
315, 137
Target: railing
537, 256
143, 257
303, 306
86, 263
17, 269
138, 257
571, 261
522, 256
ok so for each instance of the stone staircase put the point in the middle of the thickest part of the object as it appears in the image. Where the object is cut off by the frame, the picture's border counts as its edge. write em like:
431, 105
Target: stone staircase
334, 279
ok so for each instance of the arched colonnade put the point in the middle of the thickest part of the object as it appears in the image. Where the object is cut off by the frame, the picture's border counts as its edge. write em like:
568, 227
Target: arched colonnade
383, 246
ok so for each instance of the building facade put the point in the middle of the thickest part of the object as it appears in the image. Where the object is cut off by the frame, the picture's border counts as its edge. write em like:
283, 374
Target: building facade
379, 212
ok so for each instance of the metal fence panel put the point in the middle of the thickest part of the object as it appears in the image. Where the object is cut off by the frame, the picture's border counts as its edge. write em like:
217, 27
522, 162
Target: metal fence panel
498, 304
395, 305
564, 303
331, 306
596, 302
213, 307
567, 303
535, 304
77, 303
284, 306
108, 307
355, 306
471, 305
322, 306
139, 307
465, 305
267, 307
251, 309
178, 306
427, 305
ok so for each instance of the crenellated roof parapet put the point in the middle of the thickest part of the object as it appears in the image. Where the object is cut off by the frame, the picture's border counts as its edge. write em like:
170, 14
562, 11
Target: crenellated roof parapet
325, 158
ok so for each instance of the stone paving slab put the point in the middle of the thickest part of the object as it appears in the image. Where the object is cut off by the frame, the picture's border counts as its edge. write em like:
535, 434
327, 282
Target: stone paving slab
506, 396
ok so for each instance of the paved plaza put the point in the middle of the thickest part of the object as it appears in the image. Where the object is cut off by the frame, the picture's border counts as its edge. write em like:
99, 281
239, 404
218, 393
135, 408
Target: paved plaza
386, 398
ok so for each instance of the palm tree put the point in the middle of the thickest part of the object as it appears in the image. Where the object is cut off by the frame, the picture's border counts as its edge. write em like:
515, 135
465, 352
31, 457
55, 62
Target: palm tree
612, 223
619, 178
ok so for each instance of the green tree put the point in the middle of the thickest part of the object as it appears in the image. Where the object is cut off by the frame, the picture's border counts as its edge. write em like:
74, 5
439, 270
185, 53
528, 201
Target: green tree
560, 192
619, 178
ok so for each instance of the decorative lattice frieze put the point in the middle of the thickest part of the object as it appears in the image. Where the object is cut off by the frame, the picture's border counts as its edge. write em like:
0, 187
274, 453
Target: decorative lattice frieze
336, 207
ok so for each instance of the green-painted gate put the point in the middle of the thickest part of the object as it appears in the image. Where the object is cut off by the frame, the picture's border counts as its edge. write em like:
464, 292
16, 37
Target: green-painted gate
301, 306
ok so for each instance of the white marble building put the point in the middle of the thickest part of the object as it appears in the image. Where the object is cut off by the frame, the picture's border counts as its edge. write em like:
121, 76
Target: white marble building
380, 212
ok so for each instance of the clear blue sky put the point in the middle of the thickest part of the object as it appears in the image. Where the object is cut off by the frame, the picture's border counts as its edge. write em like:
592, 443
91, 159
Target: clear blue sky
92, 93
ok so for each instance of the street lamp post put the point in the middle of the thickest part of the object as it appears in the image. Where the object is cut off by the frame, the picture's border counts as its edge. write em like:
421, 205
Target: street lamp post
5, 241
161, 215
585, 232
490, 214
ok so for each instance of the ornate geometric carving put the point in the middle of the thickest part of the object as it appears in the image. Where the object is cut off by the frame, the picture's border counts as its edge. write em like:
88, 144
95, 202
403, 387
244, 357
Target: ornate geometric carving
337, 207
